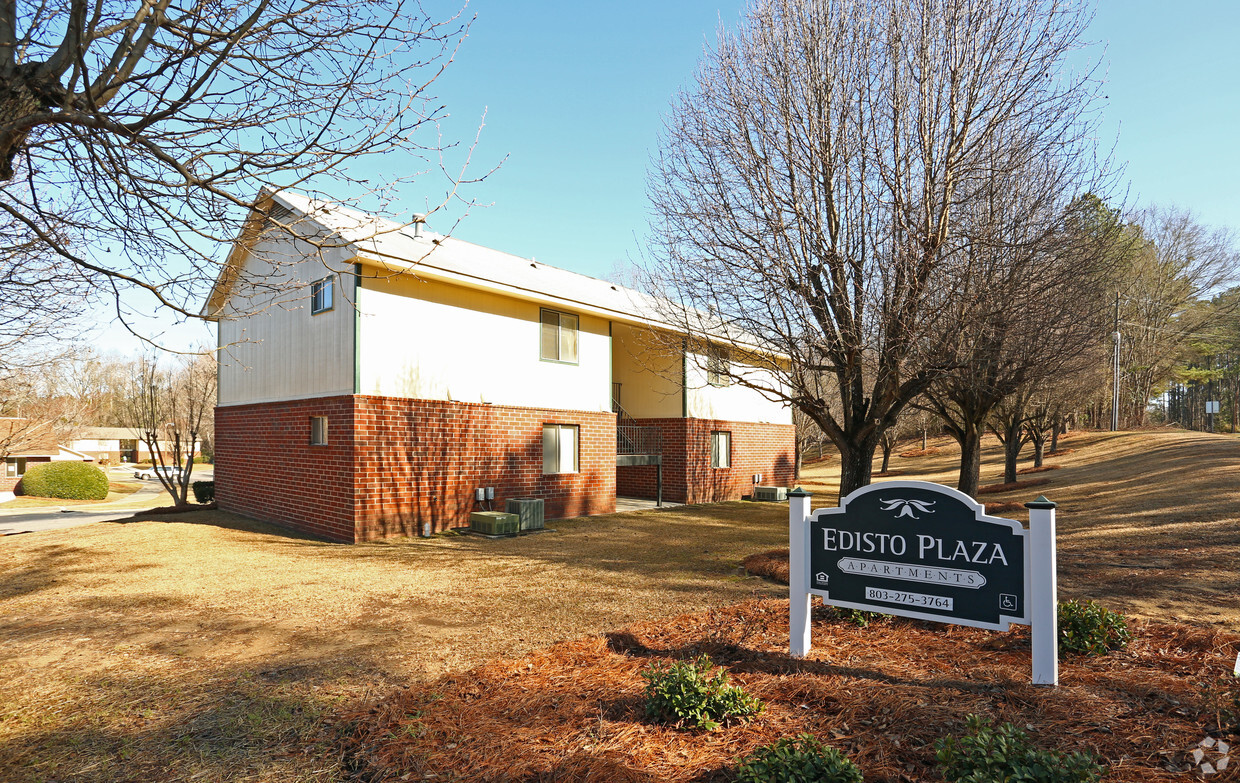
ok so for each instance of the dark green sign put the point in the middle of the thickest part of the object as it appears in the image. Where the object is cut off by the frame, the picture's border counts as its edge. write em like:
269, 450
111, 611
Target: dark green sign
917, 549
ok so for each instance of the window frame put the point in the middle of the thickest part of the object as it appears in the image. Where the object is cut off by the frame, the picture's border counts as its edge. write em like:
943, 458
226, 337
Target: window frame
721, 458
717, 372
558, 449
314, 420
560, 315
317, 287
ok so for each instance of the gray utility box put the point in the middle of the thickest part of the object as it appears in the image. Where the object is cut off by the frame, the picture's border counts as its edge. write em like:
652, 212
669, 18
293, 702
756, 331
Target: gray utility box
494, 523
530, 510
778, 494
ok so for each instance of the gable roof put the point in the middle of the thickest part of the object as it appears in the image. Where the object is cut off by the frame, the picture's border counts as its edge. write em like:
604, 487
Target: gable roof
385, 244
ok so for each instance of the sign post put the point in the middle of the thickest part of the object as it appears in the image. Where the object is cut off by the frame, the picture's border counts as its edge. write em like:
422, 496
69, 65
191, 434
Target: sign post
926, 551
1044, 589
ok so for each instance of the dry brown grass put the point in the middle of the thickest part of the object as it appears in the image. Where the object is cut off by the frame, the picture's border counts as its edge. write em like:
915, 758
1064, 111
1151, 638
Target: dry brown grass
212, 648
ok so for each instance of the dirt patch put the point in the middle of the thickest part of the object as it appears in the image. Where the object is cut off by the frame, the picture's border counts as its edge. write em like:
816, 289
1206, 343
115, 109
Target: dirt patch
882, 694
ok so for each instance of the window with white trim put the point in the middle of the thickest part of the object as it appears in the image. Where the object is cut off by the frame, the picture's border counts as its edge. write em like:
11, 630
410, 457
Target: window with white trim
321, 295
559, 337
14, 467
720, 449
318, 430
560, 448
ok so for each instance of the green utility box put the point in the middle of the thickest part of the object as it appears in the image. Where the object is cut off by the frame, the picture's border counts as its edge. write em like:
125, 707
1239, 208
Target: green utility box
530, 510
494, 523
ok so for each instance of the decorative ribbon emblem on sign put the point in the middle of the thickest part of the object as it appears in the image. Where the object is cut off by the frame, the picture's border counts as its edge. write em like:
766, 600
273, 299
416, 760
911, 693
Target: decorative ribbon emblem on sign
906, 507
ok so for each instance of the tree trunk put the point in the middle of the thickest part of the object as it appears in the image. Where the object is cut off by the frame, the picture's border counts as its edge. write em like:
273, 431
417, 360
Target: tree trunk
923, 438
970, 441
1039, 446
1055, 427
886, 456
856, 464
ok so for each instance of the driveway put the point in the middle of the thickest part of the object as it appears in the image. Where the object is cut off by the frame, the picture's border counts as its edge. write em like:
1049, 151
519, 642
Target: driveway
152, 494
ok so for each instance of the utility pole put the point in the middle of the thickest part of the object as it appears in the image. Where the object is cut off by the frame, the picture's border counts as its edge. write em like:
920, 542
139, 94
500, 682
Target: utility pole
1115, 379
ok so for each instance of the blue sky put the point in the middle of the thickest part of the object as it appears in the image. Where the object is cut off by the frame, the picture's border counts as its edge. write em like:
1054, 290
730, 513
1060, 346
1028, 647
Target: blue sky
574, 93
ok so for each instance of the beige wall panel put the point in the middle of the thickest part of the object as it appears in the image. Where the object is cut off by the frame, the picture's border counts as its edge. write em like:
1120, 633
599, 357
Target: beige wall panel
648, 370
272, 347
733, 402
432, 340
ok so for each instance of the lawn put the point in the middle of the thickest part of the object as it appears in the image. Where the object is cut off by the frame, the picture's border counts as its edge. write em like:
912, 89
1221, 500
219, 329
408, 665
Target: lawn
208, 647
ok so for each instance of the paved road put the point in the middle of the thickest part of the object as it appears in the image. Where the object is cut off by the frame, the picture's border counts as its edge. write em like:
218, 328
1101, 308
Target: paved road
32, 520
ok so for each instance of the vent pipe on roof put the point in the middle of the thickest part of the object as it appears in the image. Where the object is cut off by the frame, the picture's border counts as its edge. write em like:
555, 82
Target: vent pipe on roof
419, 220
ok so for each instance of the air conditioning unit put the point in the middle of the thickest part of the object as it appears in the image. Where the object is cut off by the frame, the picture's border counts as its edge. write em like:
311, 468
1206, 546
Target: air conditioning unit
494, 523
770, 493
530, 510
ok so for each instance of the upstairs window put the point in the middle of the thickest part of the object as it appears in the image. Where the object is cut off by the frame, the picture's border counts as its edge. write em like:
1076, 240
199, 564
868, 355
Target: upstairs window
720, 449
559, 337
560, 448
318, 430
321, 295
717, 368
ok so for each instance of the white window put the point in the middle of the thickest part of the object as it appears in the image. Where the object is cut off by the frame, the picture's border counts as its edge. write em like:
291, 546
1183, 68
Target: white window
560, 448
720, 449
717, 368
318, 430
559, 337
321, 295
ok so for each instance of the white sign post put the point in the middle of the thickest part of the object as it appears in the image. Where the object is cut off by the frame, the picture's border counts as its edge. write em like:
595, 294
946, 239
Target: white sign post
926, 551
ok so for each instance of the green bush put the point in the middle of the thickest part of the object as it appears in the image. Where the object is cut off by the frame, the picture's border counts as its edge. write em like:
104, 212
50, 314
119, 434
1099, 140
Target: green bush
1005, 755
803, 759
204, 491
67, 480
688, 693
1090, 629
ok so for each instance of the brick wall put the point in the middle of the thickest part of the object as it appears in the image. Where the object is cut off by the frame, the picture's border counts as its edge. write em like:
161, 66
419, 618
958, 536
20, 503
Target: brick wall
392, 465
266, 468
687, 475
419, 461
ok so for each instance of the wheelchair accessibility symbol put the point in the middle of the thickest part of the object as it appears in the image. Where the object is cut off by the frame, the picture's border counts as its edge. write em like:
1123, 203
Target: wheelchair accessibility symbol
1007, 602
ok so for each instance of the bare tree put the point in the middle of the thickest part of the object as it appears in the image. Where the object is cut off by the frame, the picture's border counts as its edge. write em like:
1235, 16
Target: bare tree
134, 134
172, 411
1039, 301
812, 189
34, 414
1175, 266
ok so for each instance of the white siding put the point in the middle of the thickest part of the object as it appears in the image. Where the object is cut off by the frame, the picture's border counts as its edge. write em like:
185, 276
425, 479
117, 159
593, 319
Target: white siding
432, 340
272, 347
734, 402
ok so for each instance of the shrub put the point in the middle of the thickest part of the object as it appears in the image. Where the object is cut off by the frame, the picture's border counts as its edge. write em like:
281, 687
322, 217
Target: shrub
67, 480
688, 693
803, 759
1005, 755
1090, 629
204, 491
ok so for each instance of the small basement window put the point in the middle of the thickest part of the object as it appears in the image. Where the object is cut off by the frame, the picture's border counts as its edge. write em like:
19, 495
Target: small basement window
321, 292
318, 430
560, 443
720, 449
559, 337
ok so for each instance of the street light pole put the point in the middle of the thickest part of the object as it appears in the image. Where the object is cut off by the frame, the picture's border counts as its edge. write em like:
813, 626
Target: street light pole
1115, 373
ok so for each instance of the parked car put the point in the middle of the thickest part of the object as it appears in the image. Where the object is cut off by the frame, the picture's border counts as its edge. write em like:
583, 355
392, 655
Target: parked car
169, 471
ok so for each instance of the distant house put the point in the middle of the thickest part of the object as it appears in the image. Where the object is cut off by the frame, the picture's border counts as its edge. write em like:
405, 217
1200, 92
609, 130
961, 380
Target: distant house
25, 443
113, 444
418, 369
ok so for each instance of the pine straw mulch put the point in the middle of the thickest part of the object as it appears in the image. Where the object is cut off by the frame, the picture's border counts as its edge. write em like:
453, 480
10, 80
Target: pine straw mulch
1060, 452
1039, 469
929, 452
883, 694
